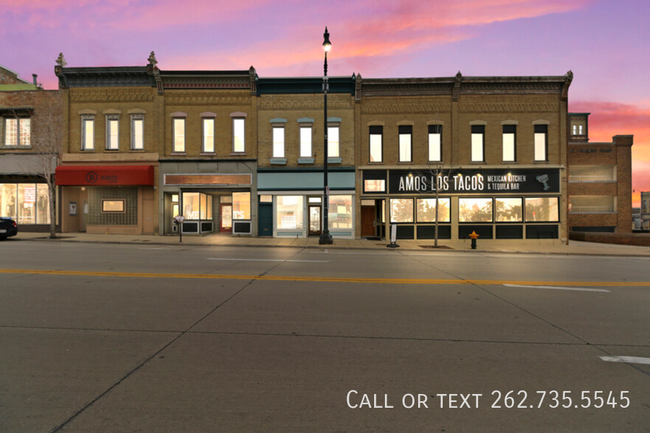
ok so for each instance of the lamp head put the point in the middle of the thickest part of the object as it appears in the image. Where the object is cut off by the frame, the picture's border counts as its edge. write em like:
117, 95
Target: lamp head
326, 41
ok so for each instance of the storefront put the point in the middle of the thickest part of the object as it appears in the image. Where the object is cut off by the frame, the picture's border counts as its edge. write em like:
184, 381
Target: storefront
107, 199
24, 197
209, 201
504, 204
291, 203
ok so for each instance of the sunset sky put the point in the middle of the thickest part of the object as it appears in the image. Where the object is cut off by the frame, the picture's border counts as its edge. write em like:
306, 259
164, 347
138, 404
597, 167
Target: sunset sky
606, 43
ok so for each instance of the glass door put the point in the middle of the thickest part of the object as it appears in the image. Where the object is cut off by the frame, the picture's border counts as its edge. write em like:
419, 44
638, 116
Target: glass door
314, 219
226, 218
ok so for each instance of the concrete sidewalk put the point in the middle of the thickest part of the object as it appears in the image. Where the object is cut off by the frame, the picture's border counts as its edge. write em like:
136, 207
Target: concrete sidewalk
492, 246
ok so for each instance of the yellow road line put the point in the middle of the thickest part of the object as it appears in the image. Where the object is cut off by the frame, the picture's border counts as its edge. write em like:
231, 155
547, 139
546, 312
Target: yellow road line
326, 279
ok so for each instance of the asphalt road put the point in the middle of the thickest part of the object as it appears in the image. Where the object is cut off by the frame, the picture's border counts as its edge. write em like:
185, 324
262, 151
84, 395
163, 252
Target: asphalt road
114, 338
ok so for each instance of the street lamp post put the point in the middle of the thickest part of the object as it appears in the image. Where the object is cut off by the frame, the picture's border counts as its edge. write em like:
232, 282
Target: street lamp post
325, 237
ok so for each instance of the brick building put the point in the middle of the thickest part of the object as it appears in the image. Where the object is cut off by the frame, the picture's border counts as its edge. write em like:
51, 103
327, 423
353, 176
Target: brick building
239, 154
110, 150
26, 157
488, 153
600, 180
291, 156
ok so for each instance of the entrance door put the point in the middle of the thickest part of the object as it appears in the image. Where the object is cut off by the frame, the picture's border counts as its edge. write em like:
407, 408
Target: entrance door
380, 219
84, 215
265, 219
368, 221
226, 218
314, 220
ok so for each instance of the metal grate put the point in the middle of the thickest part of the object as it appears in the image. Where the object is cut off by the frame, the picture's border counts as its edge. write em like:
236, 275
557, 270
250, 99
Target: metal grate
127, 218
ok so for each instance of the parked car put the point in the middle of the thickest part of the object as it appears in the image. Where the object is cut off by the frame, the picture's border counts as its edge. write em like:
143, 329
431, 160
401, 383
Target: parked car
8, 227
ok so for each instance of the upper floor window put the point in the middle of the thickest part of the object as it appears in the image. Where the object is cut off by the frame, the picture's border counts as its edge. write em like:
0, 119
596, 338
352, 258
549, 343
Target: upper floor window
333, 150
541, 142
17, 132
238, 135
405, 143
577, 129
112, 132
509, 143
178, 124
376, 143
87, 132
207, 130
278, 141
137, 132
478, 143
435, 143
305, 141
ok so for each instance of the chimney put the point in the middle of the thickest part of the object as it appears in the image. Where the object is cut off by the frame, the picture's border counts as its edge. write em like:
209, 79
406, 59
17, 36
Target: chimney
35, 78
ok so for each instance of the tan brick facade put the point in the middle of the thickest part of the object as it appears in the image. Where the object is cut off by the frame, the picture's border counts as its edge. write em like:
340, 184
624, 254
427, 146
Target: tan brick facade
458, 105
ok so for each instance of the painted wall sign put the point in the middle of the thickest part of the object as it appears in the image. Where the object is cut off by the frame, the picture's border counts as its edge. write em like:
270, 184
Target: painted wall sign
473, 181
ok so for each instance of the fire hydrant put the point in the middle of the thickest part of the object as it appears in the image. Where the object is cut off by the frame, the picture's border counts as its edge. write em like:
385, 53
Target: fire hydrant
473, 236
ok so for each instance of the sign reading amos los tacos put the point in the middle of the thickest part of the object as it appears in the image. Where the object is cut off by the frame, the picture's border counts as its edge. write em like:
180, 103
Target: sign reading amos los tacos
474, 181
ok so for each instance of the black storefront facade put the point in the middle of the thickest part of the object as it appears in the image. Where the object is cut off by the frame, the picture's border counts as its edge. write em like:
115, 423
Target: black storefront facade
497, 203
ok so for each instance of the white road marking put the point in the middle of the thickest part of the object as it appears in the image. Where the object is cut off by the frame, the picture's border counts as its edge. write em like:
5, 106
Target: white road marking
271, 260
576, 289
627, 359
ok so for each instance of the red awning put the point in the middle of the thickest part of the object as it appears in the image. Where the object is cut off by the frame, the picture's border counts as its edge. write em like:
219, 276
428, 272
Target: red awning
104, 175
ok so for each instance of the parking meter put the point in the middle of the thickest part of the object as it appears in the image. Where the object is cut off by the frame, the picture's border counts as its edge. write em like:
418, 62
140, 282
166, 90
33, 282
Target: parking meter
178, 219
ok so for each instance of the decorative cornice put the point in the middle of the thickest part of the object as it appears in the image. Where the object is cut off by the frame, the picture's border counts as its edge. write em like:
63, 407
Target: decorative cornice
110, 96
515, 88
127, 76
305, 102
506, 108
206, 82
396, 108
207, 98
410, 89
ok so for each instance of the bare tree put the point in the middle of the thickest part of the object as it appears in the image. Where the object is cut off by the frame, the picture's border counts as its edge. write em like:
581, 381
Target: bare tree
47, 142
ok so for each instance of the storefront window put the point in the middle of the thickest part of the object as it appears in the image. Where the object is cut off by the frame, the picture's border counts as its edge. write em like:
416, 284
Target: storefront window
475, 210
542, 209
340, 212
191, 206
508, 210
289, 212
374, 185
42, 204
208, 212
204, 204
241, 205
8, 200
427, 210
27, 203
401, 210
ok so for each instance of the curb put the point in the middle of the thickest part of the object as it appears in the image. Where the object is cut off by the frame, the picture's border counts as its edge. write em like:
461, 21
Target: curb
329, 247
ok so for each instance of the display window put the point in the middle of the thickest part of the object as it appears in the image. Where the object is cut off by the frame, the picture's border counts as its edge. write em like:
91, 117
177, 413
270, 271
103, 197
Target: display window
27, 203
289, 212
401, 210
542, 209
475, 210
340, 212
508, 209
241, 205
426, 210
